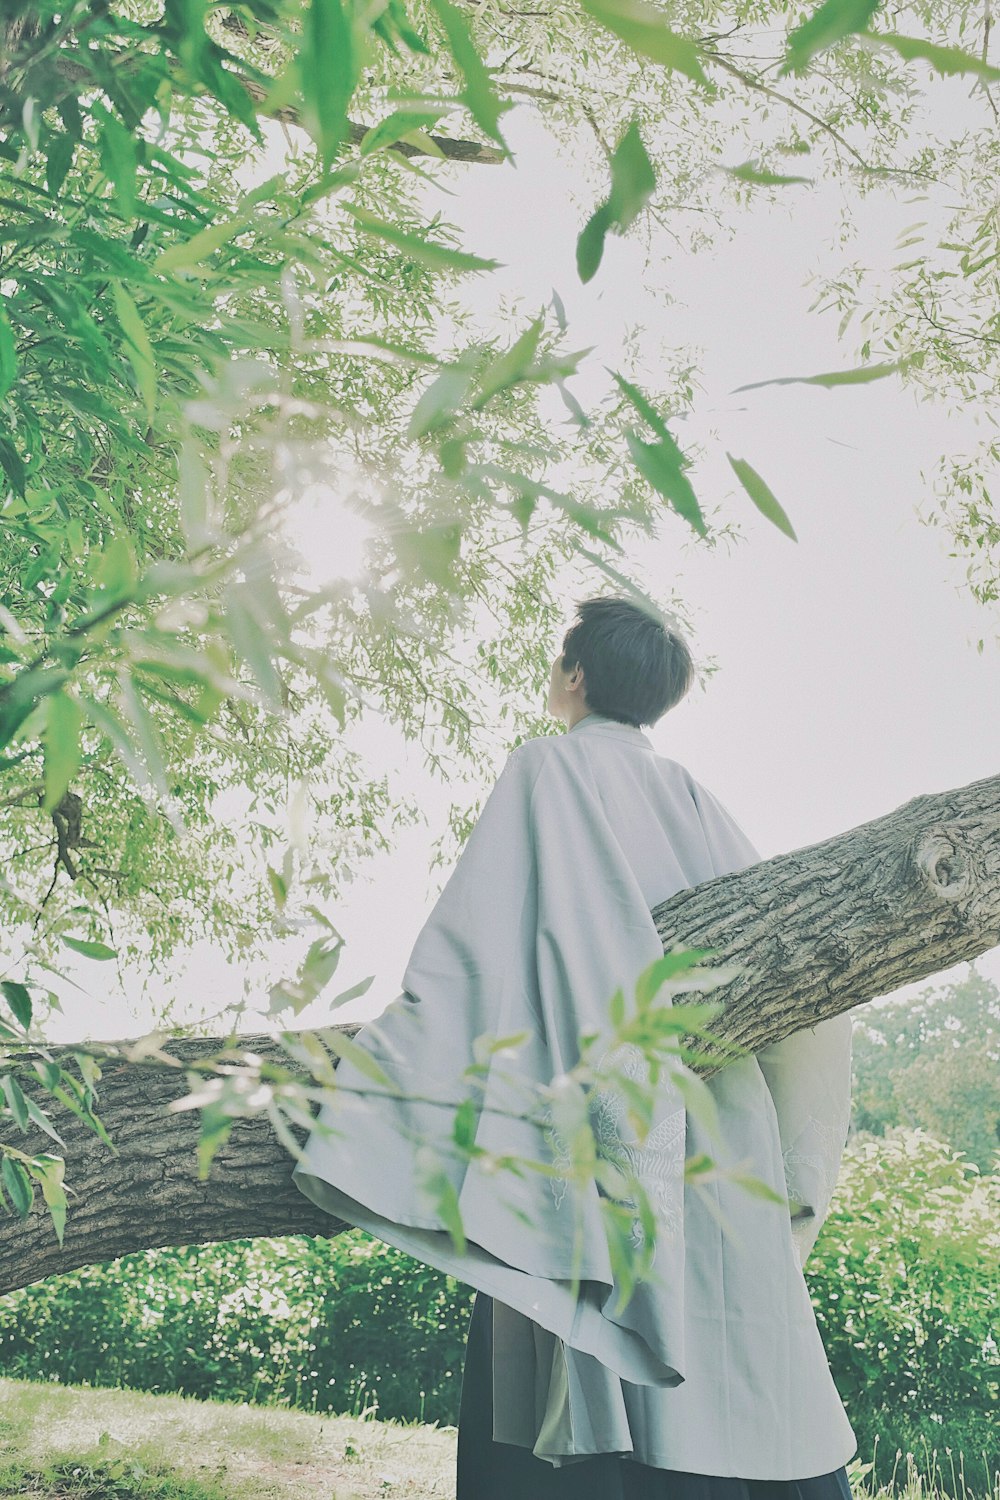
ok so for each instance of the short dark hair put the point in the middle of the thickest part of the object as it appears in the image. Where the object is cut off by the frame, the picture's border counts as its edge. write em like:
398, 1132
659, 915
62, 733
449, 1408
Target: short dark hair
635, 665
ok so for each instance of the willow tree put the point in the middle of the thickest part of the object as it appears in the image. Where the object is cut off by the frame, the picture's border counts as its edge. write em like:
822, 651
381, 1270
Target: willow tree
189, 339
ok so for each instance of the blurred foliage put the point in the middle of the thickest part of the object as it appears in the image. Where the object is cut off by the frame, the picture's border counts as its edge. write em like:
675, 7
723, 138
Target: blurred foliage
933, 1062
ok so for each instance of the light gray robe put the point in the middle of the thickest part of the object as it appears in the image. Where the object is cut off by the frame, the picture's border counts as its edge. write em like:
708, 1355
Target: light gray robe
715, 1365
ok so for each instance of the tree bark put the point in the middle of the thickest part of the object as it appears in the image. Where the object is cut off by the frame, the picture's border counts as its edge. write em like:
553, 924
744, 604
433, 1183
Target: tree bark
819, 930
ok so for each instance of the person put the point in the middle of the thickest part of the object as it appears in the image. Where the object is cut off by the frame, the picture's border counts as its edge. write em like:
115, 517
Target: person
711, 1382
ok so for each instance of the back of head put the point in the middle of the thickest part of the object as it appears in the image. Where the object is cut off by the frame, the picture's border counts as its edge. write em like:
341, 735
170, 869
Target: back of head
635, 666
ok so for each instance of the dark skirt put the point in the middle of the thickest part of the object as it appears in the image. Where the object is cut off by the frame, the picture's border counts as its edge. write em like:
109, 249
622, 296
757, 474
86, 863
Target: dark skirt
503, 1471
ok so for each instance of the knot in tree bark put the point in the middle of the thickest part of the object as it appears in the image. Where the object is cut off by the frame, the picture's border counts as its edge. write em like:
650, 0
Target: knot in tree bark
941, 858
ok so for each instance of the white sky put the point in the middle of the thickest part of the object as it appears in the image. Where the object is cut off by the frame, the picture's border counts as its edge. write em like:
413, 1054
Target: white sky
849, 680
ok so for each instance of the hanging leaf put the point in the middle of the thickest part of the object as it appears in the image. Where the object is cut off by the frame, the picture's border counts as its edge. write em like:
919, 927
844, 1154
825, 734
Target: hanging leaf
251, 640
62, 746
329, 70
761, 495
644, 29
397, 126
18, 998
58, 161
146, 736
43, 1122
438, 403
632, 182
426, 252
358, 1057
15, 1100
510, 367
137, 347
662, 463
49, 1172
115, 575
119, 158
642, 404
834, 20
18, 1184
8, 354
198, 247
478, 95
439, 1192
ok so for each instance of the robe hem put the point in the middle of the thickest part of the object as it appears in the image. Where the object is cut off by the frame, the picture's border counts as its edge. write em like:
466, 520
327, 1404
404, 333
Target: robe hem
393, 1232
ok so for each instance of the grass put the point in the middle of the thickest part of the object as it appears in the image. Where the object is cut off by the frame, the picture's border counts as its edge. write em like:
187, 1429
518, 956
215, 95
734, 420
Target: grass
83, 1442
88, 1443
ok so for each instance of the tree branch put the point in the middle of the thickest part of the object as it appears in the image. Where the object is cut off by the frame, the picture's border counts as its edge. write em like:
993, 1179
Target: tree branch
819, 931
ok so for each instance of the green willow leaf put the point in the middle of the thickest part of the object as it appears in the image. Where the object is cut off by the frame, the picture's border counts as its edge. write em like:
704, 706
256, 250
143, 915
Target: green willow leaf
590, 242
43, 1122
834, 20
49, 1172
510, 367
119, 159
8, 354
89, 949
15, 1100
860, 375
761, 495
651, 980
251, 640
358, 1056
945, 60
58, 161
643, 28
438, 403
146, 735
439, 1192
478, 96
329, 69
19, 696
398, 125
662, 464
755, 1186
192, 251
426, 252
137, 347
642, 405
748, 172
62, 746
18, 998
113, 730
18, 1184
632, 182
117, 574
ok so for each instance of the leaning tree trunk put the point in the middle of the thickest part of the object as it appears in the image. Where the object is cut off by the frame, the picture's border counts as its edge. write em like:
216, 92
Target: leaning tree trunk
817, 931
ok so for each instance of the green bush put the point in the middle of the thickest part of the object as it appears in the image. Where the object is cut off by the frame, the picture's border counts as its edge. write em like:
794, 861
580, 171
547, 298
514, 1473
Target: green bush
901, 1276
347, 1325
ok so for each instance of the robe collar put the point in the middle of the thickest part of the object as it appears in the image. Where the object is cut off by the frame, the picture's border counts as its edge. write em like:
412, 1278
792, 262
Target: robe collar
595, 723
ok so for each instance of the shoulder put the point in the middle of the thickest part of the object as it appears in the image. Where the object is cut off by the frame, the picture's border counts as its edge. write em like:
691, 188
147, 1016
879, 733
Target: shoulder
532, 752
528, 759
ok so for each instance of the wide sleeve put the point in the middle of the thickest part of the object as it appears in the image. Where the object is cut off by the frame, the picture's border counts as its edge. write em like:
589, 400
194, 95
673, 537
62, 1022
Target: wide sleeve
808, 1074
